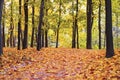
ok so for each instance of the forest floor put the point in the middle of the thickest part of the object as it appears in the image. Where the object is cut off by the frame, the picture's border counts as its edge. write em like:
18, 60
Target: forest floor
58, 64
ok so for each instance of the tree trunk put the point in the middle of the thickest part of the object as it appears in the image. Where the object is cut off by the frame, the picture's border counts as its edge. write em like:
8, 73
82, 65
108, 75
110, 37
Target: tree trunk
33, 25
99, 23
1, 44
25, 40
8, 42
76, 25
57, 38
11, 25
109, 37
89, 24
3, 36
19, 26
117, 19
77, 37
104, 40
73, 28
46, 30
39, 45
14, 41
42, 38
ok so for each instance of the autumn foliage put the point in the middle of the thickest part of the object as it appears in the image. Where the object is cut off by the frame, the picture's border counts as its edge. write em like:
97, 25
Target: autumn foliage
58, 64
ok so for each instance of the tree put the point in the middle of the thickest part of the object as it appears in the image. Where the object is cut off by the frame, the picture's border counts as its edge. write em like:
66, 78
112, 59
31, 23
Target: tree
75, 36
76, 23
42, 36
1, 44
89, 24
73, 27
3, 30
46, 29
109, 37
39, 45
33, 24
19, 25
25, 39
11, 25
57, 38
99, 23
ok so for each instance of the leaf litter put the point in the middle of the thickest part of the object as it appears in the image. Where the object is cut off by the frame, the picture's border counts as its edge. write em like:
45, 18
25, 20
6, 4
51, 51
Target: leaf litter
58, 64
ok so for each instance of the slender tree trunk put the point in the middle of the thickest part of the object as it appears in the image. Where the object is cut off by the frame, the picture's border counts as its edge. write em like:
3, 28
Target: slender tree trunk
4, 25
73, 28
104, 41
46, 30
57, 38
42, 38
19, 26
77, 37
14, 41
58, 24
11, 25
99, 23
117, 19
8, 42
89, 24
1, 44
25, 40
109, 37
21, 35
76, 25
46, 39
33, 25
39, 45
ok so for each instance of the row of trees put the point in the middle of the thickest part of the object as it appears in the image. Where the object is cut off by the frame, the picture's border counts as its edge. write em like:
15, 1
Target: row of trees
40, 33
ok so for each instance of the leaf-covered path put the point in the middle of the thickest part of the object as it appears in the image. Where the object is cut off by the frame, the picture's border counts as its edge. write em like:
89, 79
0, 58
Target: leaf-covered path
58, 64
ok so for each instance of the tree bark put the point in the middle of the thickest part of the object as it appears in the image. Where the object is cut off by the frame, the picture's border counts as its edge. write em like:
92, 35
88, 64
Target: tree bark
76, 24
109, 37
39, 45
1, 44
99, 23
25, 40
3, 34
89, 24
11, 25
57, 38
46, 30
73, 28
19, 26
42, 38
117, 20
33, 25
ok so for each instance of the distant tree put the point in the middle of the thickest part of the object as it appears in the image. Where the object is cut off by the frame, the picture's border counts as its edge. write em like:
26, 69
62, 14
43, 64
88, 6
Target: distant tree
109, 37
25, 39
99, 23
57, 38
76, 24
1, 44
33, 24
11, 25
39, 45
19, 25
46, 29
43, 38
3, 29
73, 27
75, 35
89, 24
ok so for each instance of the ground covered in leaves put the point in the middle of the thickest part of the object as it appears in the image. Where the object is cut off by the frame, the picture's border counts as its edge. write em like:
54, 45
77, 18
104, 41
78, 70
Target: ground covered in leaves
58, 64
